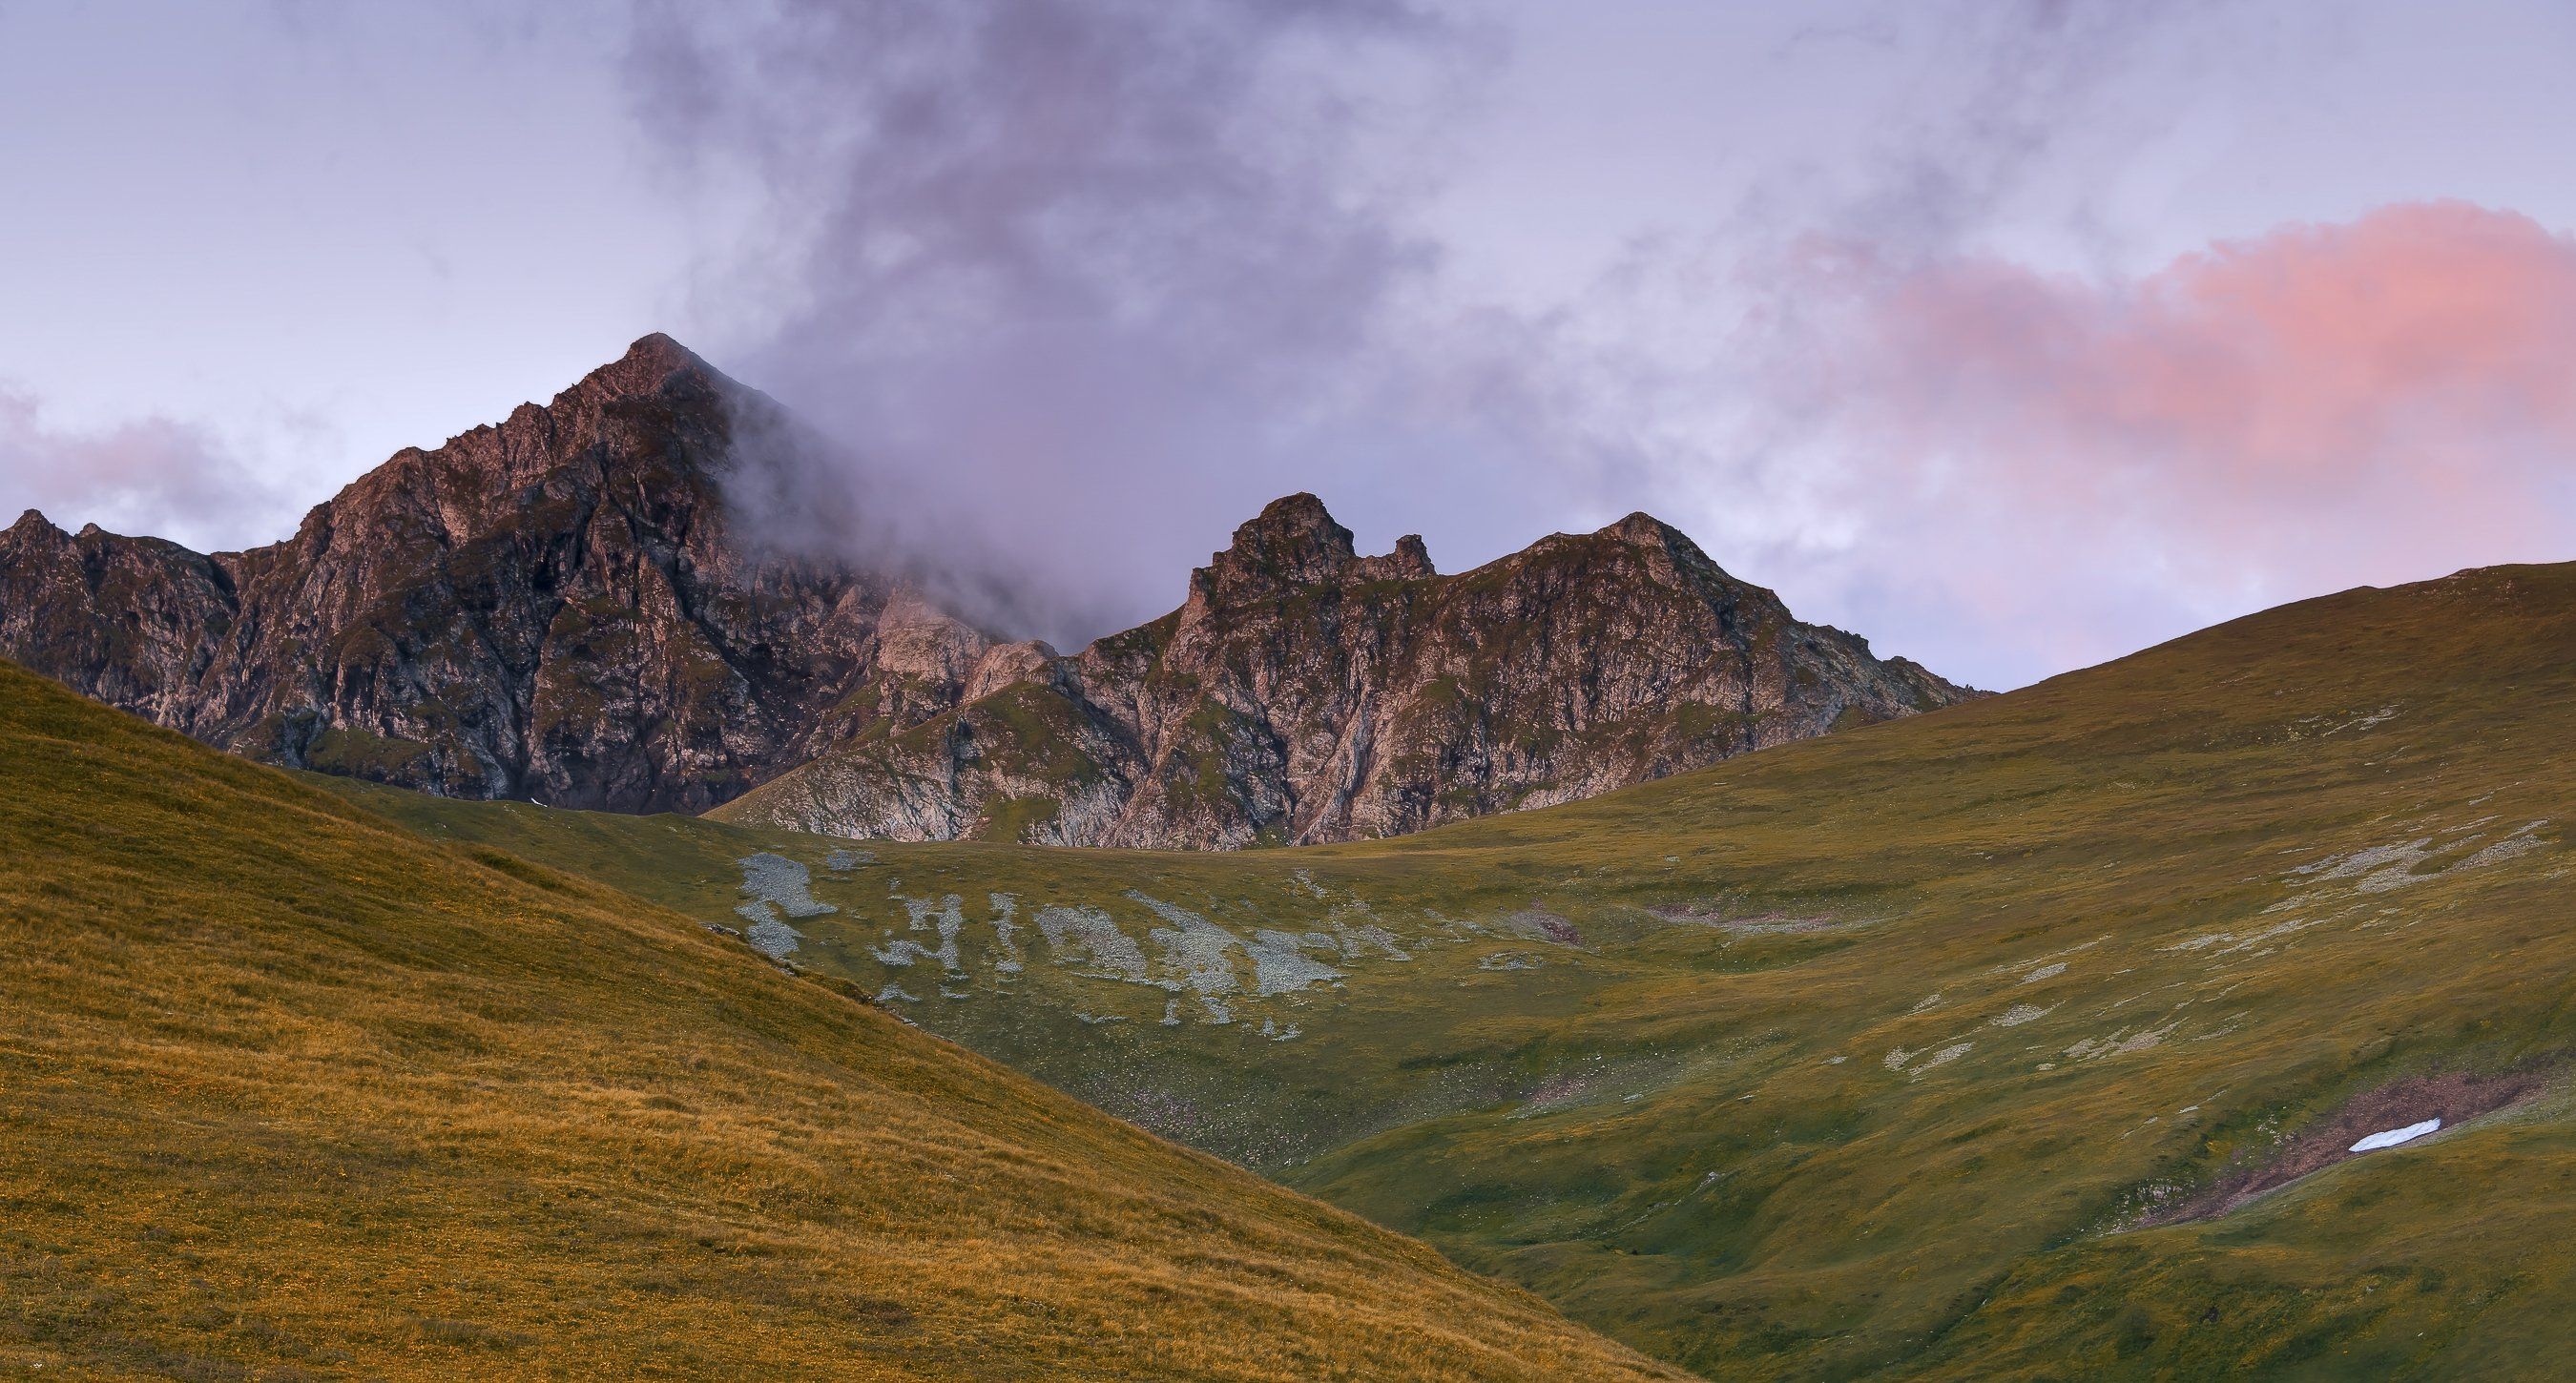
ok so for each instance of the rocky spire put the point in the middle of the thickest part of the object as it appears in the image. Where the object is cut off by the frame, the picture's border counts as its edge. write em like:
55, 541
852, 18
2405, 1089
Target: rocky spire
1294, 541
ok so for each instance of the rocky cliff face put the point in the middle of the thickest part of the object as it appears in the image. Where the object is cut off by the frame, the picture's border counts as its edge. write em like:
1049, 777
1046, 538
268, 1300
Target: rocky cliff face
552, 608
562, 608
1306, 693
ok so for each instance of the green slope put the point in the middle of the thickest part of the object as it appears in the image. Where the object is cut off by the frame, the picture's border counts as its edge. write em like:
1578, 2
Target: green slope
1955, 1047
286, 1091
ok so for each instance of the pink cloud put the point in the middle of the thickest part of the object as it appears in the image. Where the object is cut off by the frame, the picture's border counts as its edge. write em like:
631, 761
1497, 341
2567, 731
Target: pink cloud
2316, 407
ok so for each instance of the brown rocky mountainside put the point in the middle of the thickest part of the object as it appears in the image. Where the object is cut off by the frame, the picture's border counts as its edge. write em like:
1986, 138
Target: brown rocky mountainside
1306, 693
551, 608
561, 608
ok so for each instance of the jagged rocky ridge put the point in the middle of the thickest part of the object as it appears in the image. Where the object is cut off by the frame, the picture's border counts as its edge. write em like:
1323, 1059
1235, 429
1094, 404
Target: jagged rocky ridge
552, 608
561, 608
1305, 693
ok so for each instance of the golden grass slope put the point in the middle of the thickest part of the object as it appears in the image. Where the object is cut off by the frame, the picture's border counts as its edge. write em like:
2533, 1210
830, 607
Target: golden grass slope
287, 1091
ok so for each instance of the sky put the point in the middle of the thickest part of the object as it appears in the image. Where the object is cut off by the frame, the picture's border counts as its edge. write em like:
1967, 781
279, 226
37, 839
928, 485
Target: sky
2014, 335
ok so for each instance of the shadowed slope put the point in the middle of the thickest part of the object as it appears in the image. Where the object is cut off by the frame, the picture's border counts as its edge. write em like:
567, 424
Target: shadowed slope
285, 1088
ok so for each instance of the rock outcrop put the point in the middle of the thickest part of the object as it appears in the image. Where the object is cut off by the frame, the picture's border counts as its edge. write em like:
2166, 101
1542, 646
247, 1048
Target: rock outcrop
554, 608
1306, 693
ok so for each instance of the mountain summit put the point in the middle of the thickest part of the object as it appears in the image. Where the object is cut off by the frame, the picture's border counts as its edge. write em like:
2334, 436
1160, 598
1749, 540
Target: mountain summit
563, 607
1294, 542
552, 608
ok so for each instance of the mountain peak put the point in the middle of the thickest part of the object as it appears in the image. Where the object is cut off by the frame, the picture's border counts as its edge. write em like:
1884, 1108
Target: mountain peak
1410, 560
649, 366
1295, 536
1643, 529
1294, 541
657, 350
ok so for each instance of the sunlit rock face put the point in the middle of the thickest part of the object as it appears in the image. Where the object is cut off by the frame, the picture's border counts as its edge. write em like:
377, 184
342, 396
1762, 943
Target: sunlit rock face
1305, 693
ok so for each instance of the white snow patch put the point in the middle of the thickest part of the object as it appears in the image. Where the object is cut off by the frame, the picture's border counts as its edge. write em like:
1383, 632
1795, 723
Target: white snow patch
2392, 1137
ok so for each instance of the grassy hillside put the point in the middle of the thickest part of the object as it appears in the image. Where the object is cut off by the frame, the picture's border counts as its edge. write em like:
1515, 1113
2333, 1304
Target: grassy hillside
2022, 1040
286, 1091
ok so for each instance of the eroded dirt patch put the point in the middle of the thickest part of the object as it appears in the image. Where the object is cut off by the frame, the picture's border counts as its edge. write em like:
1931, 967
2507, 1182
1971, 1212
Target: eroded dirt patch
2453, 1097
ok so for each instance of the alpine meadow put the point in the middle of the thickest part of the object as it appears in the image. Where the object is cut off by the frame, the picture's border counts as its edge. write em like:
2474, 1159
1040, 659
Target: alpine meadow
1353, 691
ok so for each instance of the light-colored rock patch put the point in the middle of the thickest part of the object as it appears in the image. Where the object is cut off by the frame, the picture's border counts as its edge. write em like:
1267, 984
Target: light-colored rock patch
1087, 936
772, 938
1006, 939
942, 917
782, 883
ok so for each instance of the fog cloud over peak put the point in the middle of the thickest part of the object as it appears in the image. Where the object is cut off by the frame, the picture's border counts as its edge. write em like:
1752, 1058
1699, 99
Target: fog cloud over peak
1073, 286
1080, 285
